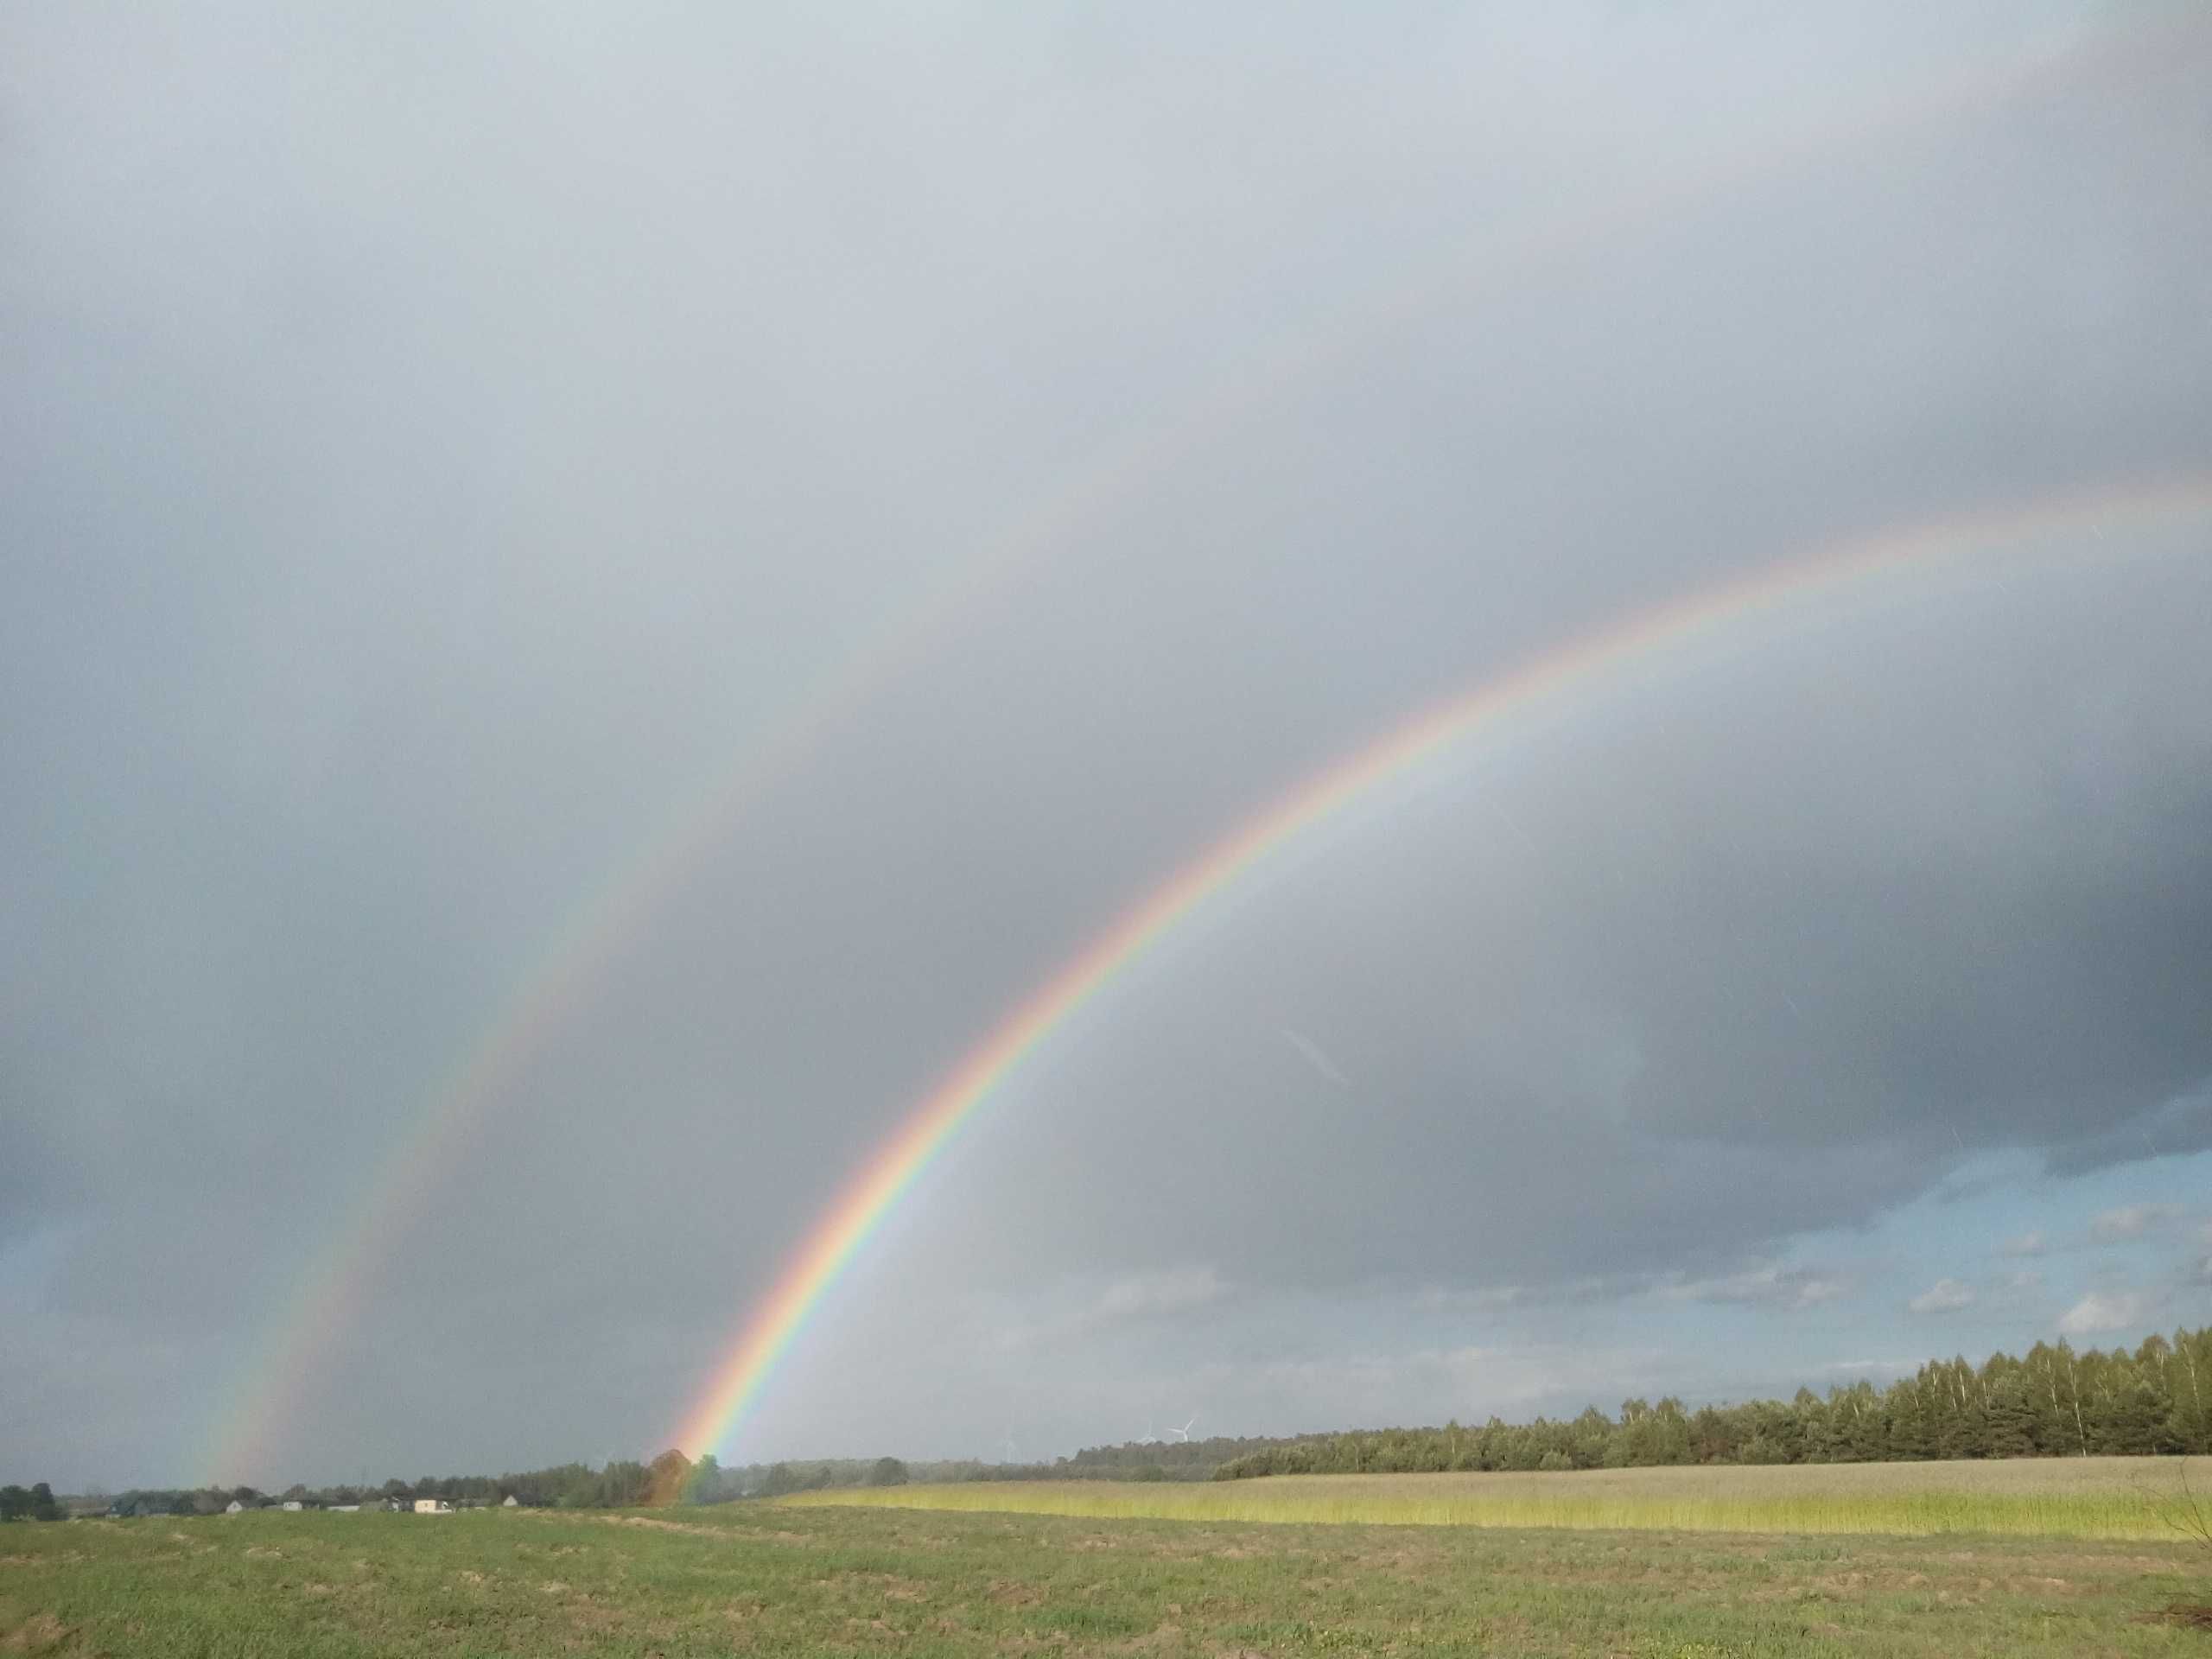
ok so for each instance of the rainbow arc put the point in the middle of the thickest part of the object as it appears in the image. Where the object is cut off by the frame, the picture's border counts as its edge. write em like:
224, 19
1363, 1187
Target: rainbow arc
1917, 552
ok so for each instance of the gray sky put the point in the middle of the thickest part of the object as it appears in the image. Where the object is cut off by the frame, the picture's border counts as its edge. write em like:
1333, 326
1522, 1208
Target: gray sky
437, 445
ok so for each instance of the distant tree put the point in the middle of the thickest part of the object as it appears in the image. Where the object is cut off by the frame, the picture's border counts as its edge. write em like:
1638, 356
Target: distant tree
886, 1471
704, 1484
2132, 1421
2011, 1420
624, 1484
669, 1472
15, 1502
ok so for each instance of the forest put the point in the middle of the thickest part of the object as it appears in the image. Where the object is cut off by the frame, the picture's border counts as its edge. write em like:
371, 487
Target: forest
2054, 1402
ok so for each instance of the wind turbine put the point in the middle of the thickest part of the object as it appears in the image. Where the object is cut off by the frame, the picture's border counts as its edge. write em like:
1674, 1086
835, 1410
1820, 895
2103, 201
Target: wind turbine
1184, 1432
1147, 1437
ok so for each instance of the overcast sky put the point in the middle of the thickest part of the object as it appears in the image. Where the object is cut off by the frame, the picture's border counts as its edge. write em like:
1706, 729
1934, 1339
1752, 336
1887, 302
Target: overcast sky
440, 446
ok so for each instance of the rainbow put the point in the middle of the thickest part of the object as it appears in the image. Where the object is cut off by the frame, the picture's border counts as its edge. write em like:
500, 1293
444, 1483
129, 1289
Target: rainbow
1609, 654
330, 1292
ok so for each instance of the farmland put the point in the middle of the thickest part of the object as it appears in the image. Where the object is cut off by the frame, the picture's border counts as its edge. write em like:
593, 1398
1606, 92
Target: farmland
2068, 1498
822, 1579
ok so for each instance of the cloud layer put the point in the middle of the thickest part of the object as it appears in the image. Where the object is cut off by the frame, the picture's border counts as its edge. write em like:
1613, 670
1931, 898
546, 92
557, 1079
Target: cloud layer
985, 463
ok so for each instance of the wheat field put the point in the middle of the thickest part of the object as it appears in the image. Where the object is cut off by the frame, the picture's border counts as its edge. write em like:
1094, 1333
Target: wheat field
2070, 1497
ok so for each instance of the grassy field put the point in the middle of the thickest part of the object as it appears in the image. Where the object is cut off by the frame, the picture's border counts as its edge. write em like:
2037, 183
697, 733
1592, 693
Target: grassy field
768, 1578
2071, 1497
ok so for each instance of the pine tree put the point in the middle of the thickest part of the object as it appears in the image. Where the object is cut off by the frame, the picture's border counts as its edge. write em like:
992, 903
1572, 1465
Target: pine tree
2011, 1421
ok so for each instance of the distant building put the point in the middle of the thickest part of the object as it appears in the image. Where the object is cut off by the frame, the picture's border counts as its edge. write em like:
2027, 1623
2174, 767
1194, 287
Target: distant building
509, 1502
432, 1506
234, 1508
345, 1508
292, 1505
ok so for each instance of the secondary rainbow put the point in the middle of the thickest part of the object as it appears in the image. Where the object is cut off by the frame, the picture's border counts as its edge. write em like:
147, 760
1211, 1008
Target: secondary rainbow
1592, 662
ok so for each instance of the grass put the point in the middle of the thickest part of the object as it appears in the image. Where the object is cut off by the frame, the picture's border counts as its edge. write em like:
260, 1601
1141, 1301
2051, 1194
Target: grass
771, 1578
2074, 1497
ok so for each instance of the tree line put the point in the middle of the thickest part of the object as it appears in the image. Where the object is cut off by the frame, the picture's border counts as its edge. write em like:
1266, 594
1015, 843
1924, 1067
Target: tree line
2053, 1402
672, 1478
35, 1503
1130, 1460
619, 1484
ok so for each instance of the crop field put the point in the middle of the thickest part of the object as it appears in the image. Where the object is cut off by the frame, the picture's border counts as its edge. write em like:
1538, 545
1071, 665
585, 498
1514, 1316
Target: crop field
777, 1579
2068, 1497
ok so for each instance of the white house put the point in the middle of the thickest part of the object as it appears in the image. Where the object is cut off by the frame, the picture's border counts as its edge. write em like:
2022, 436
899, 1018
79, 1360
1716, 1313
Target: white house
234, 1508
511, 1504
432, 1506
293, 1505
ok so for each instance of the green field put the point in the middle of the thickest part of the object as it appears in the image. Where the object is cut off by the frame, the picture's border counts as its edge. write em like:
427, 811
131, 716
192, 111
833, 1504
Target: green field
2070, 1497
777, 1579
